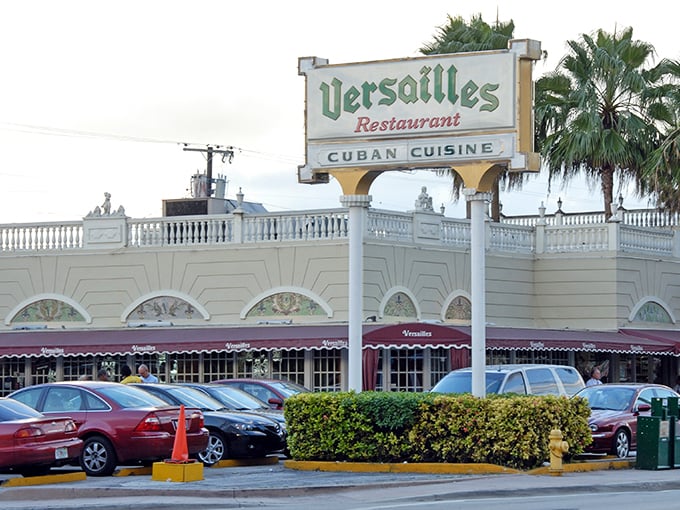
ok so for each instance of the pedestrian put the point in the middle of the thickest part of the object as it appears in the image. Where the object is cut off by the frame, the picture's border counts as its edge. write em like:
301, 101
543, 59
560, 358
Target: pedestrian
85, 377
677, 385
127, 377
594, 377
102, 375
146, 376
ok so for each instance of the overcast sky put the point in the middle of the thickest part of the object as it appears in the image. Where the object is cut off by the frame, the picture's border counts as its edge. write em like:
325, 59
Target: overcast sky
98, 96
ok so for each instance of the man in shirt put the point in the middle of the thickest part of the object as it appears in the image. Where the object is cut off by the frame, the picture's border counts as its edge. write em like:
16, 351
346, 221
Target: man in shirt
594, 377
146, 376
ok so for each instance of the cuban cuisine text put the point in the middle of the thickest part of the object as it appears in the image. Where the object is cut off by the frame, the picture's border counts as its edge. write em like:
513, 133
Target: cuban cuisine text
416, 152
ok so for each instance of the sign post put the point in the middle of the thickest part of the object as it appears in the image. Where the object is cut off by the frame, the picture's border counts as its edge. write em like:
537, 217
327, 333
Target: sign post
470, 112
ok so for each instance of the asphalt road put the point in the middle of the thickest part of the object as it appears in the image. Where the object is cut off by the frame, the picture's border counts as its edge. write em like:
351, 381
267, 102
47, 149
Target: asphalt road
276, 486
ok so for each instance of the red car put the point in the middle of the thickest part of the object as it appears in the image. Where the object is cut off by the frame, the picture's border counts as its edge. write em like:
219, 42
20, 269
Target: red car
273, 392
31, 443
615, 408
119, 424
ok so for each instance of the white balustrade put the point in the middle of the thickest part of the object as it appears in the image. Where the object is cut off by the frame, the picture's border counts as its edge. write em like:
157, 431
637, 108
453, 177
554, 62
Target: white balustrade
41, 237
455, 232
647, 232
387, 225
510, 238
639, 239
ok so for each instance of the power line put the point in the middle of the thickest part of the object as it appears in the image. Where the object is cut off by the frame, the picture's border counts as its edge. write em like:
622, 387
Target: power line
76, 133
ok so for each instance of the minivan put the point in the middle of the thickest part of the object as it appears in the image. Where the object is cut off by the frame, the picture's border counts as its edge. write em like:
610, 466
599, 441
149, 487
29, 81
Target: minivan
519, 379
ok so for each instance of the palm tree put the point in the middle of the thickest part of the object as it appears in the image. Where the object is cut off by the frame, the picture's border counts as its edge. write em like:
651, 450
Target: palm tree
459, 37
661, 171
593, 114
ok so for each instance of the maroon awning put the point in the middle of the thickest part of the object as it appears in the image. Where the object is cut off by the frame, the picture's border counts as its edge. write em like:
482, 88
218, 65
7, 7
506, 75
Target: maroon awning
170, 340
572, 340
273, 337
416, 335
658, 335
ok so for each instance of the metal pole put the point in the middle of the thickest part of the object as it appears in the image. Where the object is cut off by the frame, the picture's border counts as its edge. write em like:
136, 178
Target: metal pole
478, 203
358, 205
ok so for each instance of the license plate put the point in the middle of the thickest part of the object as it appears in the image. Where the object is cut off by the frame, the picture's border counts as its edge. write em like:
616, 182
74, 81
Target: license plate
187, 424
61, 453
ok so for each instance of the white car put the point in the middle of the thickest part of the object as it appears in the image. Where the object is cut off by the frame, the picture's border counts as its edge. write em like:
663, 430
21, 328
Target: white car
519, 379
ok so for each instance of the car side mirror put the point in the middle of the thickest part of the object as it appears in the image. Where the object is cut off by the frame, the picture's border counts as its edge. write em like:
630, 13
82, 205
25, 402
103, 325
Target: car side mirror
277, 402
642, 407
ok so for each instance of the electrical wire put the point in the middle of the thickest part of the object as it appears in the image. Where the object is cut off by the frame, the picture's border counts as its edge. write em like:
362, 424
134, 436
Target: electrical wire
76, 133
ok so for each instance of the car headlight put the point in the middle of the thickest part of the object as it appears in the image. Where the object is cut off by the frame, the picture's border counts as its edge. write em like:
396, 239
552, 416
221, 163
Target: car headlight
244, 427
601, 428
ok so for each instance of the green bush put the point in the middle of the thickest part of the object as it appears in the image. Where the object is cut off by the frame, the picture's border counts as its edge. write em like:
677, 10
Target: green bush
370, 426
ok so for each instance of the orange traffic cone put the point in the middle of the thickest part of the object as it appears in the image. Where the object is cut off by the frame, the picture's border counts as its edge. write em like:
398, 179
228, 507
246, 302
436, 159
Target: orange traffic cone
179, 468
180, 452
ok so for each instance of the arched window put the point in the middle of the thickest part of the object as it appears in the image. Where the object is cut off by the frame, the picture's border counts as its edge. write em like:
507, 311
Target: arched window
286, 304
459, 309
651, 311
48, 309
400, 304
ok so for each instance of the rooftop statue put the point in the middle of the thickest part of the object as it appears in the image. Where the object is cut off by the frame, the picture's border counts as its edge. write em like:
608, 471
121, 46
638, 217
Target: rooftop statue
424, 201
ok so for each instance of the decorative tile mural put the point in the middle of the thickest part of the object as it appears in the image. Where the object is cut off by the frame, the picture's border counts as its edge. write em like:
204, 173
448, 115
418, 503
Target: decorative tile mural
48, 310
400, 305
164, 307
286, 304
652, 312
460, 309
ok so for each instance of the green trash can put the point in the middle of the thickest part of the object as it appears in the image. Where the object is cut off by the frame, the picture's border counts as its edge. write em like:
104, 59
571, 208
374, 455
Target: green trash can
654, 438
674, 416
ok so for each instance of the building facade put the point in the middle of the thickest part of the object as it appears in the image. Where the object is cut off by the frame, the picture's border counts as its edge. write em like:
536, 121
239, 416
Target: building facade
266, 294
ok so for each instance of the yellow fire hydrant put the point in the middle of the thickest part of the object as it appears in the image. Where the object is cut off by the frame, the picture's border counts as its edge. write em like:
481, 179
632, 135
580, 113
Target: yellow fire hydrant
557, 449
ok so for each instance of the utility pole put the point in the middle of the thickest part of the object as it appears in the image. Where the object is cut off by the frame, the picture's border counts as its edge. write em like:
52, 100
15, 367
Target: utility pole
227, 154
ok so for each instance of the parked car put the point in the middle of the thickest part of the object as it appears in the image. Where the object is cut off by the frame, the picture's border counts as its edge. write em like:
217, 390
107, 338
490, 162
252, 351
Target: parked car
615, 408
520, 379
232, 434
238, 400
118, 423
272, 391
31, 443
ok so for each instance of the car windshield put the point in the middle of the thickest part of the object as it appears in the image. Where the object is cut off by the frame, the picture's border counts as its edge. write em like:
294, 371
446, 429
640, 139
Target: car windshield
607, 397
461, 382
194, 398
240, 400
287, 388
130, 397
11, 410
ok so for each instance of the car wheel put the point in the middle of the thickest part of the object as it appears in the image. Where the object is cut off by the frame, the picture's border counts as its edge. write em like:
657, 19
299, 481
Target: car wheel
98, 457
621, 444
216, 450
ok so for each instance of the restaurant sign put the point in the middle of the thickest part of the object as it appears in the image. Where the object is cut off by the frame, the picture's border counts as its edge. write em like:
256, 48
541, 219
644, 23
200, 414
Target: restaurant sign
425, 112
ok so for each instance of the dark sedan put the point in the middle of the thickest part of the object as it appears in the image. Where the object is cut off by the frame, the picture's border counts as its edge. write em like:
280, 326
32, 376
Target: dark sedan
238, 400
118, 423
232, 434
273, 392
31, 443
614, 412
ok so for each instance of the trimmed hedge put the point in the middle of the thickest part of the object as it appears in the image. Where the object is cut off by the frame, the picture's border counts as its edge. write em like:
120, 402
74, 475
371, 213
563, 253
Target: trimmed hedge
372, 426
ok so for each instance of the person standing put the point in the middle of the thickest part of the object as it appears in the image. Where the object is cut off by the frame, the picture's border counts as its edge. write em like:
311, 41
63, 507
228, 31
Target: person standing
127, 377
146, 376
595, 376
102, 375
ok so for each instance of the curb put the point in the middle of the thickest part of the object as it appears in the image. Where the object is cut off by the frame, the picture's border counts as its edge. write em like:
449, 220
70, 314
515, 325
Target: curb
432, 468
453, 469
43, 480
